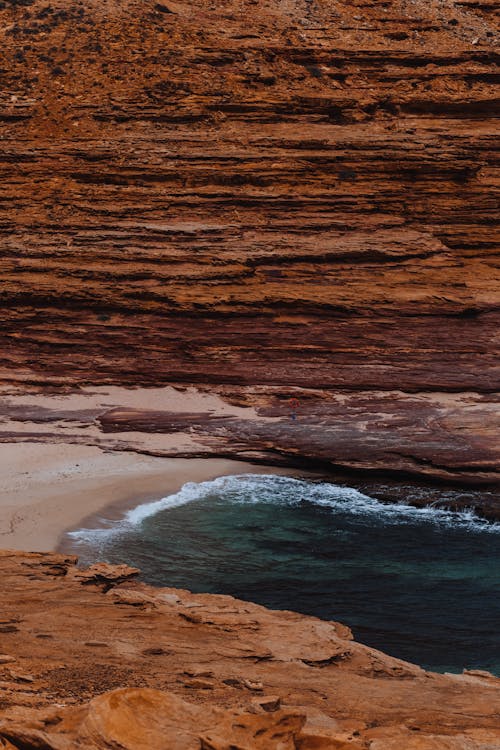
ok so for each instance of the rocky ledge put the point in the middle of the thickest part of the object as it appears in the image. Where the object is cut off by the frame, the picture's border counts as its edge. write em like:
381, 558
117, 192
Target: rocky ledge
418, 450
92, 658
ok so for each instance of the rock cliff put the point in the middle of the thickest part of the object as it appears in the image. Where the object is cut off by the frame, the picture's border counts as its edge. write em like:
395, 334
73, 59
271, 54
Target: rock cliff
268, 199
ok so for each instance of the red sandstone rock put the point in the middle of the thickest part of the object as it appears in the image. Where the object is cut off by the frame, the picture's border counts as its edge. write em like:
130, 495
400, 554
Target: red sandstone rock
270, 197
134, 695
145, 719
268, 703
109, 575
270, 200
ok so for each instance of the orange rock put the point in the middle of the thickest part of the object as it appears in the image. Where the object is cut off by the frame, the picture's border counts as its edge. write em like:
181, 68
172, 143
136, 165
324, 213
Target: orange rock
106, 574
128, 696
268, 703
279, 731
6, 659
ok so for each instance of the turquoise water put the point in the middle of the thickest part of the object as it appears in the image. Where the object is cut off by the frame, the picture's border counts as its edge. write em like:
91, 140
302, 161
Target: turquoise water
419, 584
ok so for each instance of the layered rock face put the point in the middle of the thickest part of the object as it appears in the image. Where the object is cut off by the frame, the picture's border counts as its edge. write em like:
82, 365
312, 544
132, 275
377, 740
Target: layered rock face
267, 199
92, 659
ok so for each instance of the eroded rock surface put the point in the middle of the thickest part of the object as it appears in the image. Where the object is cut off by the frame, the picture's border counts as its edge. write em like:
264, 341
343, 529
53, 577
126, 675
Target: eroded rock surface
270, 199
139, 668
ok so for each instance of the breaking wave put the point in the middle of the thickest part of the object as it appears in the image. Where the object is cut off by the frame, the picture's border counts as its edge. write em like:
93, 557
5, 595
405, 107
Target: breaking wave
288, 491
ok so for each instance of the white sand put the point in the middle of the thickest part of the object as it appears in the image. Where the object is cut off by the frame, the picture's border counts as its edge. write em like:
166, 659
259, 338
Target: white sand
47, 489
55, 473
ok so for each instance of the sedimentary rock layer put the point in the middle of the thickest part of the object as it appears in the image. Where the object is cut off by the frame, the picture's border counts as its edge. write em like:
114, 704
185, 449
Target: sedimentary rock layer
202, 671
281, 196
383, 442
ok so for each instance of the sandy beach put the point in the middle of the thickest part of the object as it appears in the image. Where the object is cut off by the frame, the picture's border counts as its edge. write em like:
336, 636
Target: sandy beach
48, 489
57, 467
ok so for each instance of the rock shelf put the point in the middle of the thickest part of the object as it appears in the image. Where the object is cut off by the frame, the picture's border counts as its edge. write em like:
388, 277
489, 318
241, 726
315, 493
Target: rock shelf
99, 661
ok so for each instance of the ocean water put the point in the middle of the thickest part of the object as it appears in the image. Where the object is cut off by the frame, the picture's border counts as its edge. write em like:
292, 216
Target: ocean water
421, 584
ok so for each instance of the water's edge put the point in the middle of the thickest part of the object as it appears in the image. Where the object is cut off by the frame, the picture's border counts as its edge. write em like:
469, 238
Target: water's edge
394, 572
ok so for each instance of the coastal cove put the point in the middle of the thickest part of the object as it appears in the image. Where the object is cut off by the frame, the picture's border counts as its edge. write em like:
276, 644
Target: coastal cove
249, 375
416, 582
99, 634
391, 571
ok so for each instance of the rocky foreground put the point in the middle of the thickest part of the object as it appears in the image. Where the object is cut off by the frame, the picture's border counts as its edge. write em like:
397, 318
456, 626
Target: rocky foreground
266, 199
92, 659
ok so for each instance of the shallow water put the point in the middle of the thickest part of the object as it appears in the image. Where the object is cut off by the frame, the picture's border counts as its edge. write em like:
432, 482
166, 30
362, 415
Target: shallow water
420, 584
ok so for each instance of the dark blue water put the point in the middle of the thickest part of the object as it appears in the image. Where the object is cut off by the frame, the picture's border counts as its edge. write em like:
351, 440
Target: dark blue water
419, 584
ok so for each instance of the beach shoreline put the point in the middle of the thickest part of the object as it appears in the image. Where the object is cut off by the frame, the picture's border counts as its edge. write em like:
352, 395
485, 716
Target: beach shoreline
48, 490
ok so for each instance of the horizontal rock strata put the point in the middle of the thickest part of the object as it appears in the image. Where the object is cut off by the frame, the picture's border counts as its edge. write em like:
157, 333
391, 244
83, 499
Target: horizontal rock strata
96, 660
265, 197
386, 444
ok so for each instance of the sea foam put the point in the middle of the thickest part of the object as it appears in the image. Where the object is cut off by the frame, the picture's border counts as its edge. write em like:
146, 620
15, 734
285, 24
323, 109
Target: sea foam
271, 488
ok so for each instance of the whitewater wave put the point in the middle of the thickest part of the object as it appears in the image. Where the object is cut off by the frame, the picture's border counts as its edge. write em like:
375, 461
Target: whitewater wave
283, 490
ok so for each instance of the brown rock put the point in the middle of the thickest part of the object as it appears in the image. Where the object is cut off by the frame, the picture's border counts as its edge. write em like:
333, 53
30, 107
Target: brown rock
155, 651
109, 575
304, 211
481, 673
316, 742
21, 676
267, 703
6, 745
133, 598
253, 685
199, 684
128, 719
143, 719
367, 698
276, 732
199, 672
6, 659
